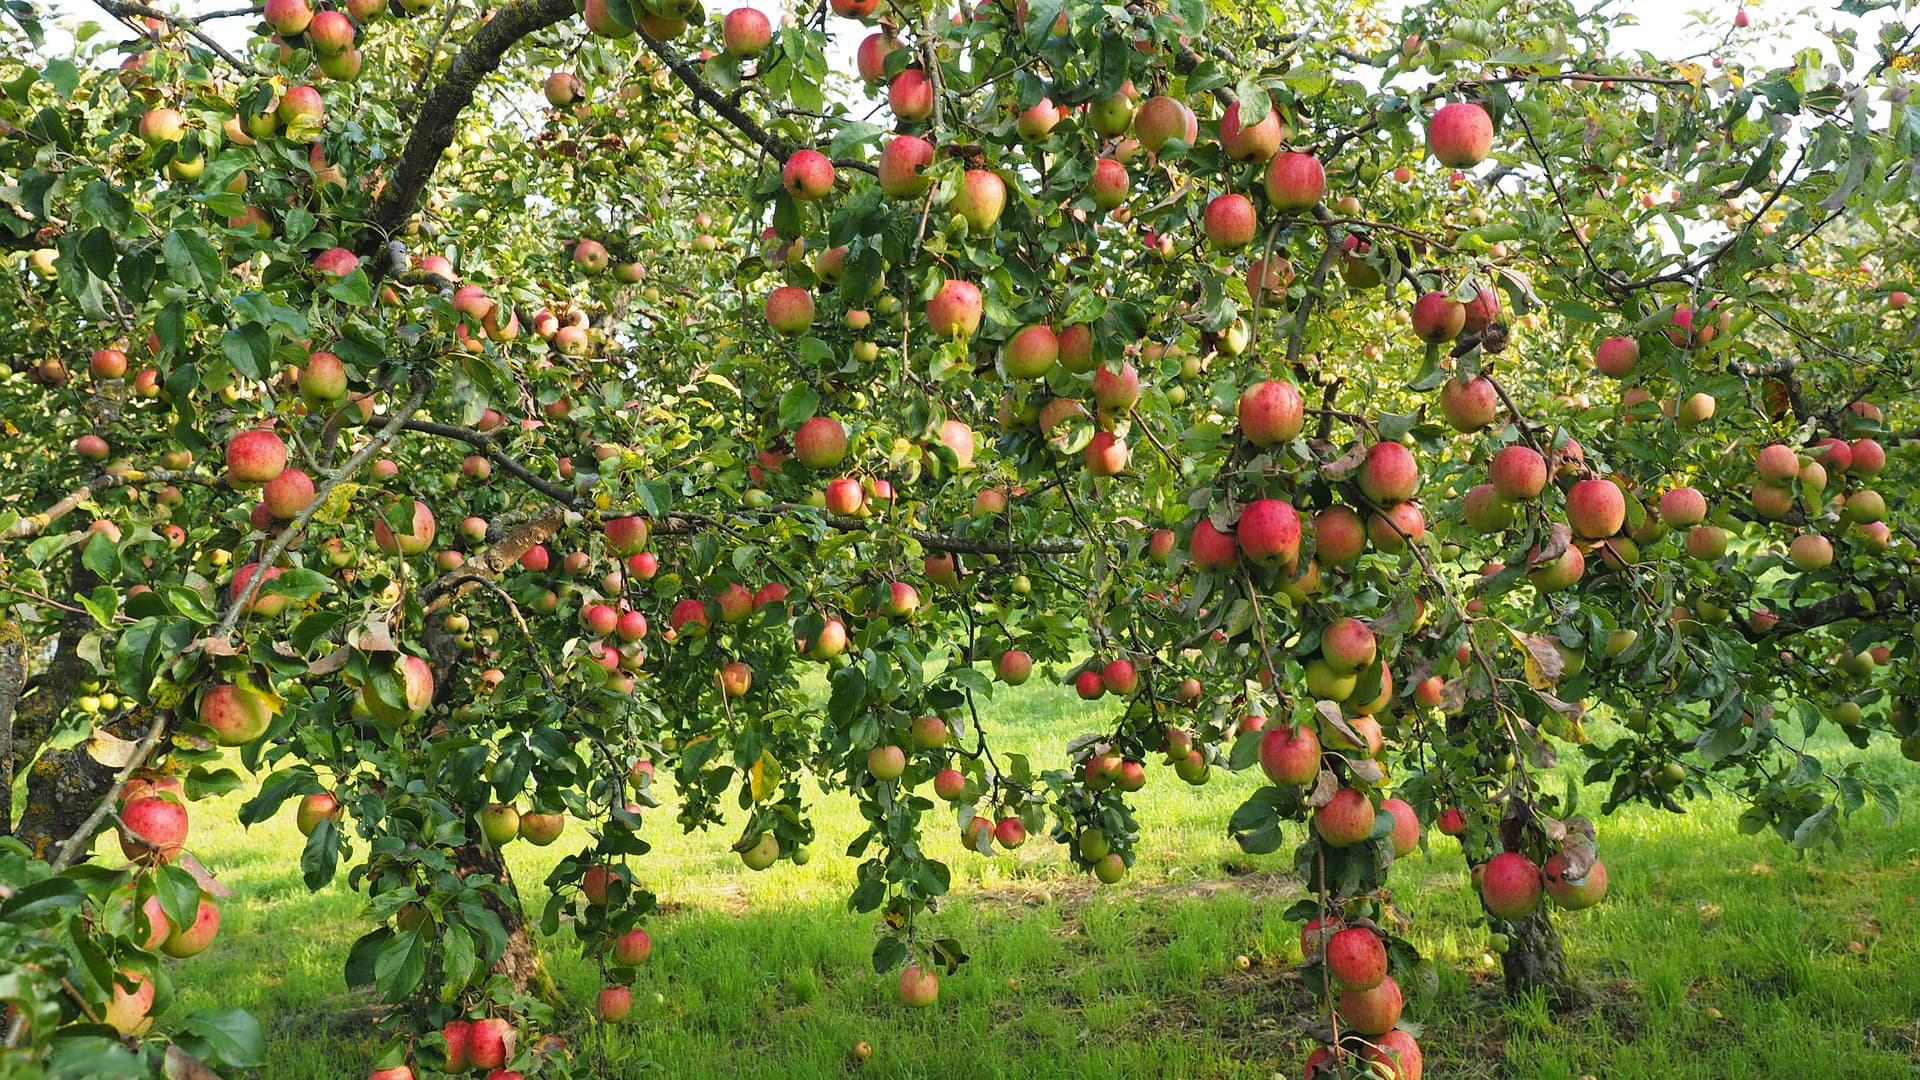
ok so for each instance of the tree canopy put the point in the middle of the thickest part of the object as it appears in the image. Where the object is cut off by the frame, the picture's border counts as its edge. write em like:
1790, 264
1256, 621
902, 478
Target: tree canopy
448, 423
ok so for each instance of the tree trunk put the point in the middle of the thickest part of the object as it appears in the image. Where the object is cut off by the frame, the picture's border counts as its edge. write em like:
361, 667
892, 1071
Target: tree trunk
1535, 960
521, 961
13, 679
64, 786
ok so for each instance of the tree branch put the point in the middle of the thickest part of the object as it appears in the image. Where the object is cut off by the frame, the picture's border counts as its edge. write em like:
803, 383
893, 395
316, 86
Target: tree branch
120, 9
747, 125
433, 132
485, 443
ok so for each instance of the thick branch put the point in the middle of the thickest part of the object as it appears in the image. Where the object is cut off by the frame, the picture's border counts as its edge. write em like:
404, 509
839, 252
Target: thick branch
485, 443
433, 132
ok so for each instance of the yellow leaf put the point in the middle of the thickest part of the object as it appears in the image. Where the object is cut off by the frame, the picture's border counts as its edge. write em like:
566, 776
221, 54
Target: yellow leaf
764, 777
1693, 73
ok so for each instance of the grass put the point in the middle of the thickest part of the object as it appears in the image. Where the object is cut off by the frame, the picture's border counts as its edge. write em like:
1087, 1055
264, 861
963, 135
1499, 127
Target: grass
1715, 955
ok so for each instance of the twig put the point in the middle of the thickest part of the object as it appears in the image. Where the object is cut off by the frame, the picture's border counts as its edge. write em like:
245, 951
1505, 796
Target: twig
76, 843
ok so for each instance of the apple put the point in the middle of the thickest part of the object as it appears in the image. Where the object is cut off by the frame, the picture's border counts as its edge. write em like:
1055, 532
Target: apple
1469, 405
950, 784
1389, 474
541, 829
1038, 122
237, 715
1510, 885
287, 17
1111, 116
1109, 185
980, 198
1810, 551
1460, 135
1374, 1011
746, 33
1294, 182
1518, 472
255, 457
416, 680
1230, 222
1105, 454
1014, 667
1346, 820
1438, 317
807, 175
1356, 959
1596, 508
154, 830
614, 1004
1030, 352
1571, 894
500, 823
870, 57
789, 310
1269, 532
1348, 645
1250, 144
330, 32
1116, 390
418, 537
910, 96
1211, 549
734, 679
955, 310
903, 164
193, 940
1290, 756
1011, 832
130, 1011
1163, 119
632, 948
1119, 677
315, 808
490, 1043
918, 987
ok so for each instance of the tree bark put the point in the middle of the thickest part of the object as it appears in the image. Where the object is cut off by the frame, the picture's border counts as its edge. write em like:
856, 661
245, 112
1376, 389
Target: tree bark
58, 778
64, 786
1535, 960
521, 961
13, 678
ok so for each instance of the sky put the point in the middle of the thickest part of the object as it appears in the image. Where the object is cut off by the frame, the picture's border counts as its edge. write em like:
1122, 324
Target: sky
1780, 30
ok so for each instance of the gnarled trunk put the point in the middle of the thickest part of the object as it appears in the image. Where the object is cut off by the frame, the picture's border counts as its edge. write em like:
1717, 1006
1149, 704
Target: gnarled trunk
1535, 959
521, 961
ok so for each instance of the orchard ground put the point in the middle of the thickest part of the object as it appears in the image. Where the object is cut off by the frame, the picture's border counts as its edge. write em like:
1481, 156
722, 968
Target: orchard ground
1714, 954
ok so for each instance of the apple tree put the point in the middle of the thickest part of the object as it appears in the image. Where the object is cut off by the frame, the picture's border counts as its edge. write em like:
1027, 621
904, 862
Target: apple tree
444, 424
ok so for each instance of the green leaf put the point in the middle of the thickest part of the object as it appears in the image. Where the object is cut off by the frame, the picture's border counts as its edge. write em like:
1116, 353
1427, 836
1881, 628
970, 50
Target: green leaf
459, 963
888, 952
179, 895
233, 1035
100, 555
96, 251
249, 349
849, 690
191, 259
1253, 98
401, 964
62, 75
321, 856
40, 899
799, 404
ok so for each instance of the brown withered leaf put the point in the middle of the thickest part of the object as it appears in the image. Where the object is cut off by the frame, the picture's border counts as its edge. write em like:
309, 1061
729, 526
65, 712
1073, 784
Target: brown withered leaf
1346, 464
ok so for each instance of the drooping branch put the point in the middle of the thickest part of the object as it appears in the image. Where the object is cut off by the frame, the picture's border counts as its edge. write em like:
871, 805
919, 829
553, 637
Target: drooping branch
1852, 604
321, 490
733, 114
120, 9
436, 126
485, 444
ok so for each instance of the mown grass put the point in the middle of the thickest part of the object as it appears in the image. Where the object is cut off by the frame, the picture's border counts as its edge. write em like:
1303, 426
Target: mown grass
1715, 955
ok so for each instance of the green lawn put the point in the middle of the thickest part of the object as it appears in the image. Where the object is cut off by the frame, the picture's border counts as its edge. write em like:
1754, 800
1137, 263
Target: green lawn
1714, 956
